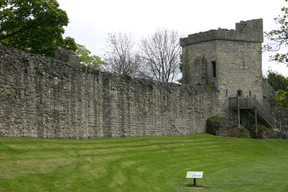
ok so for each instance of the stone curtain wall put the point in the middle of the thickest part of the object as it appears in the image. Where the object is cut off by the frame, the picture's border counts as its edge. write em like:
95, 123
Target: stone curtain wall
46, 98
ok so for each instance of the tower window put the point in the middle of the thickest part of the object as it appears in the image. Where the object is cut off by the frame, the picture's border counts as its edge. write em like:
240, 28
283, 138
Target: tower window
214, 68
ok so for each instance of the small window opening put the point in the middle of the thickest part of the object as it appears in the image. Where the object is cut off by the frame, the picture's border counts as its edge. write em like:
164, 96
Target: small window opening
214, 68
226, 93
250, 94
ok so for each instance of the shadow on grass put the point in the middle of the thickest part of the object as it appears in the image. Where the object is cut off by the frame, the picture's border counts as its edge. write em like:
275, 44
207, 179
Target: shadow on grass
193, 186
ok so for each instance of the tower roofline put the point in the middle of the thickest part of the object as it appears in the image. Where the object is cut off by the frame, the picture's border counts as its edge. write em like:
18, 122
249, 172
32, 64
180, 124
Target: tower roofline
246, 31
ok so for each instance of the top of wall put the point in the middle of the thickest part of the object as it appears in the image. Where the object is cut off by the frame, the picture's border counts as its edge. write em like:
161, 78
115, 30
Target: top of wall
247, 31
66, 56
67, 67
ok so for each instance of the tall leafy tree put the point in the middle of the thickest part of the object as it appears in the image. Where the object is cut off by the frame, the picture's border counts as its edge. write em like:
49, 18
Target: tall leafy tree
86, 58
34, 26
278, 37
279, 84
69, 44
277, 81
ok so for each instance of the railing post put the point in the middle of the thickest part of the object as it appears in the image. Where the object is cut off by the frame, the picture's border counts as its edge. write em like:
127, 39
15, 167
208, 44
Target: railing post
247, 117
256, 129
256, 121
230, 113
274, 122
280, 126
238, 110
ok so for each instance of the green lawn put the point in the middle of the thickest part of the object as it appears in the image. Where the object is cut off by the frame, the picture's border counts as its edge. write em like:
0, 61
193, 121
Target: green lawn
143, 164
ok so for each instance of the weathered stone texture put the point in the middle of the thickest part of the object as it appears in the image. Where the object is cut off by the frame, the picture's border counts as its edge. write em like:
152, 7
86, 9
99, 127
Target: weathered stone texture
220, 127
46, 98
247, 31
280, 113
268, 90
66, 56
229, 60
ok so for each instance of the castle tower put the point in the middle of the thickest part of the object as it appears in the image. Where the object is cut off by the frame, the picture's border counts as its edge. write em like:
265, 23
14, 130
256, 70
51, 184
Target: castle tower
227, 59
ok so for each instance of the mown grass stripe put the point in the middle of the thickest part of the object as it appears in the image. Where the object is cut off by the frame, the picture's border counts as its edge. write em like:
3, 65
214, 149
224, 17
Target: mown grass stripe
142, 164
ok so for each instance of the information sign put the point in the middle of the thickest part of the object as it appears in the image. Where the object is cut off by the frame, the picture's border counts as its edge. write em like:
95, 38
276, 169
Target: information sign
194, 174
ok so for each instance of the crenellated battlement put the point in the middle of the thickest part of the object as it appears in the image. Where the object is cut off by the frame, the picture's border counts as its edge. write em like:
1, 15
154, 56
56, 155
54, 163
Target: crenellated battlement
246, 31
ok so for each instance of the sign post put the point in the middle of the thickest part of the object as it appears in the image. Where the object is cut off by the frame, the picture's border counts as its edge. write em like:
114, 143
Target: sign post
194, 175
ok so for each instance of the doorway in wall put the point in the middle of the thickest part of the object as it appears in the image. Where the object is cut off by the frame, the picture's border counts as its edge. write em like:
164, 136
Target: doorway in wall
240, 93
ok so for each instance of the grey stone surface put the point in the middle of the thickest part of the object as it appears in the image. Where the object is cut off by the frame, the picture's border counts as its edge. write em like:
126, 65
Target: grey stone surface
66, 56
46, 98
227, 128
228, 60
280, 113
246, 31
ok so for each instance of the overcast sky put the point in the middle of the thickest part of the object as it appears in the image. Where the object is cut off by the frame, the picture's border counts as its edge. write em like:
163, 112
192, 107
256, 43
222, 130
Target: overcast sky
92, 20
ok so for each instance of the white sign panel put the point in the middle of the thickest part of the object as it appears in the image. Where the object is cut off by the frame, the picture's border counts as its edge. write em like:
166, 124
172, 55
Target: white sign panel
194, 174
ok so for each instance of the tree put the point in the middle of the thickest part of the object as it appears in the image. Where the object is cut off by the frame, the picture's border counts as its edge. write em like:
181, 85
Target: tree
69, 44
121, 57
280, 85
34, 26
277, 81
161, 55
282, 98
278, 37
87, 59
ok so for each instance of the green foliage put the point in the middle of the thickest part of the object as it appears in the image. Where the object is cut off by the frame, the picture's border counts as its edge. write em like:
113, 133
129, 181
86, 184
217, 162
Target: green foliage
223, 119
260, 131
69, 44
143, 164
218, 118
243, 130
277, 81
279, 84
34, 26
278, 37
261, 127
282, 97
90, 60
208, 87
